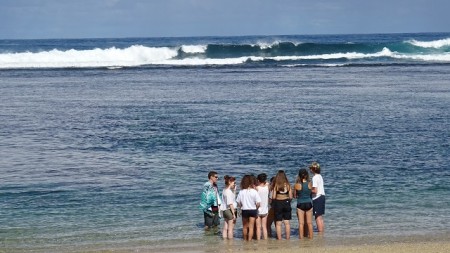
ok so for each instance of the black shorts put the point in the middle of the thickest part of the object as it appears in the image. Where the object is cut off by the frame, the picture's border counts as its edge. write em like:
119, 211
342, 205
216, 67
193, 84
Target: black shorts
283, 209
304, 206
319, 206
249, 213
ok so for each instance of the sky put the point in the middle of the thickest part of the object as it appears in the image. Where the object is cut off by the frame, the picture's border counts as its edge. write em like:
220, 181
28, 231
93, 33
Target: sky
44, 19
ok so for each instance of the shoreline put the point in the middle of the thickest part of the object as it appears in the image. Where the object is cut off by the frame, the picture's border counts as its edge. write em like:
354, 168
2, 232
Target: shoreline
429, 243
422, 244
396, 244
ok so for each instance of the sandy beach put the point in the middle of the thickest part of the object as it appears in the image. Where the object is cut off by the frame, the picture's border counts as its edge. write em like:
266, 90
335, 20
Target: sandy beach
407, 244
422, 244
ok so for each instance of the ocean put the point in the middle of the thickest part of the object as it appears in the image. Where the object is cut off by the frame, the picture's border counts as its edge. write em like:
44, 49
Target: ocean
106, 143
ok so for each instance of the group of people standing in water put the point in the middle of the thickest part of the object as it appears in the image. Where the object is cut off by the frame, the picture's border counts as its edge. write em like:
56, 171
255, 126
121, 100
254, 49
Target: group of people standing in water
260, 203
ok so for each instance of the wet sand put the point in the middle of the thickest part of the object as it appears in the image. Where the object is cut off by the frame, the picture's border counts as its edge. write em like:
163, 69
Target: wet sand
422, 244
320, 244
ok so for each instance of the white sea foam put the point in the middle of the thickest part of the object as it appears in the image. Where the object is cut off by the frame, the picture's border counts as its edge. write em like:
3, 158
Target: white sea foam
137, 55
431, 44
426, 57
202, 62
111, 57
194, 49
315, 65
267, 45
383, 53
351, 55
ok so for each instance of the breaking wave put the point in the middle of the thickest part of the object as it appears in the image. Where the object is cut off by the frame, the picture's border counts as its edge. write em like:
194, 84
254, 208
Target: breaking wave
431, 44
285, 53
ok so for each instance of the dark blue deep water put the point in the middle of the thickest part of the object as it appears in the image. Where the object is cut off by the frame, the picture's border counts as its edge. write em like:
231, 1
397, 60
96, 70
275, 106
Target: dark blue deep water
108, 142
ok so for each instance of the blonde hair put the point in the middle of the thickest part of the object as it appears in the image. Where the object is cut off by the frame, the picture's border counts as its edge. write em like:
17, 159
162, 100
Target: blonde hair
315, 167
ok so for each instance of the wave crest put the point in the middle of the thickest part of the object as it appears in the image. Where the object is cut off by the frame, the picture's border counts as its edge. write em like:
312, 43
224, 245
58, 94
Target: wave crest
211, 54
194, 49
132, 56
431, 44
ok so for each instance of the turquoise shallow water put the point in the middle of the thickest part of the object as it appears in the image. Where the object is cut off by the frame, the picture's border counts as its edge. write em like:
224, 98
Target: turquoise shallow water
93, 157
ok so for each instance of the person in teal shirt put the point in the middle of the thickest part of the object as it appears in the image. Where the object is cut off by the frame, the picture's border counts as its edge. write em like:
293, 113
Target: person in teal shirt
303, 190
210, 201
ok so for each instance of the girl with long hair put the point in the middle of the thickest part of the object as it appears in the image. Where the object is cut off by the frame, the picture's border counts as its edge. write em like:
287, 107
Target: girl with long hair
304, 203
281, 200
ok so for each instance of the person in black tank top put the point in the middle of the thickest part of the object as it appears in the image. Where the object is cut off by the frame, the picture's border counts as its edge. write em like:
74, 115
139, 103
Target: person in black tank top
281, 199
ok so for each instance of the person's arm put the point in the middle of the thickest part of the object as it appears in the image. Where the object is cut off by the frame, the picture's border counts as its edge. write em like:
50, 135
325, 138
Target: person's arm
297, 187
313, 187
258, 200
204, 200
295, 191
238, 200
290, 192
232, 210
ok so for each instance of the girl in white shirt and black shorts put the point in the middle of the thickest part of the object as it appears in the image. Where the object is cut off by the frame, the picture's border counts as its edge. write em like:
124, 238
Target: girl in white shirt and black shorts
248, 199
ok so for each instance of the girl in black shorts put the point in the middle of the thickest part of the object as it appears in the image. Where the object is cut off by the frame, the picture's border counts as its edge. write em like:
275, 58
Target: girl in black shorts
249, 201
281, 201
304, 204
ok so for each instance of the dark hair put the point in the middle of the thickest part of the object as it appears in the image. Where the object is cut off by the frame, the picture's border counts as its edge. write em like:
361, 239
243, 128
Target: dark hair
303, 174
262, 177
272, 183
254, 180
211, 173
228, 180
246, 182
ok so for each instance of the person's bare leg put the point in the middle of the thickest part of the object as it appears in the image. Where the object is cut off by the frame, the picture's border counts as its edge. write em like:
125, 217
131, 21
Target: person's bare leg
309, 223
264, 227
287, 227
225, 230
245, 228
230, 228
269, 222
301, 223
258, 227
251, 226
278, 229
320, 224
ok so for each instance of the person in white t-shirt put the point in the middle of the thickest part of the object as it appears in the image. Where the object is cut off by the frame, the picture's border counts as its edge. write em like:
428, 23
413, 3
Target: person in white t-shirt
228, 207
263, 210
318, 196
249, 201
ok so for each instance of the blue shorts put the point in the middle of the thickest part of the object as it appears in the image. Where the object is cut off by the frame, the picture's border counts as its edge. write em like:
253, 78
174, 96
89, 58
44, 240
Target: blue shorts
249, 213
319, 206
